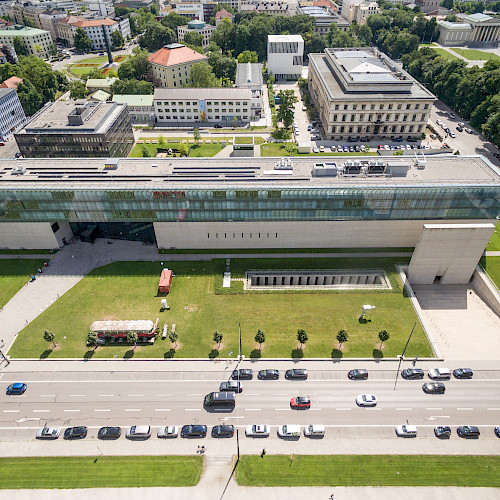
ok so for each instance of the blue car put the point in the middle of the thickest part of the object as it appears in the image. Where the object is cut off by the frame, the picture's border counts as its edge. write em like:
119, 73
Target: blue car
17, 388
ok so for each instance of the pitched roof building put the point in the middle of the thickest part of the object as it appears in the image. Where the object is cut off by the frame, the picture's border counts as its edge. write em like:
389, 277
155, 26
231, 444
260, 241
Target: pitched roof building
11, 83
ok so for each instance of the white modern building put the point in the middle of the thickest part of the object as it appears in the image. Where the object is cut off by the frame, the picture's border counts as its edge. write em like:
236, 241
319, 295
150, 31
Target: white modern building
37, 42
228, 106
285, 56
199, 27
249, 76
12, 114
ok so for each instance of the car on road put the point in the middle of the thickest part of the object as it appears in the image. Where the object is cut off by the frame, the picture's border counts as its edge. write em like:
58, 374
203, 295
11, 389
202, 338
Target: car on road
48, 433
17, 155
16, 389
2, 143
169, 431
300, 402
322, 149
463, 373
101, 53
440, 373
218, 125
358, 374
257, 430
315, 149
296, 374
289, 431
468, 431
231, 385
269, 375
442, 431
109, 433
459, 128
314, 430
296, 131
333, 148
406, 430
223, 431
434, 388
75, 432
469, 130
194, 431
346, 149
366, 400
138, 432
412, 373
497, 431
452, 135
242, 374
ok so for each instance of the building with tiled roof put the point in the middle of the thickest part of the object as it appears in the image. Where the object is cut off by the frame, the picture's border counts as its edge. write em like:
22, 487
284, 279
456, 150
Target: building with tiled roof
172, 64
11, 83
221, 15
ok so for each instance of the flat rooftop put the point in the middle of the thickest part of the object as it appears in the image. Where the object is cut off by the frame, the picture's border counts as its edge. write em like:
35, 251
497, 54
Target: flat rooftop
247, 173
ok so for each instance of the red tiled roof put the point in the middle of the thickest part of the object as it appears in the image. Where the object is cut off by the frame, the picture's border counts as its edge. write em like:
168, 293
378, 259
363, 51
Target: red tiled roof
178, 55
223, 12
70, 19
93, 22
11, 83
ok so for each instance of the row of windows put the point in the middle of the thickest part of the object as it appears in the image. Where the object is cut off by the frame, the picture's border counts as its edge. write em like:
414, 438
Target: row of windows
378, 117
196, 117
381, 106
209, 110
368, 129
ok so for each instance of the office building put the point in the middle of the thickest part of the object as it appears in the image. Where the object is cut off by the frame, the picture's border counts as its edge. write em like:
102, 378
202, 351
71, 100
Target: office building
49, 20
249, 76
36, 42
227, 203
285, 56
360, 92
172, 64
139, 107
273, 7
78, 129
103, 8
323, 17
98, 30
200, 27
11, 113
358, 12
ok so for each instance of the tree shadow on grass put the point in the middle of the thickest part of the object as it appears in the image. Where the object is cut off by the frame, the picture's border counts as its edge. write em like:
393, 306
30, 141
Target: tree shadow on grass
377, 354
337, 354
297, 354
255, 354
88, 355
129, 354
214, 353
169, 354
46, 353
364, 321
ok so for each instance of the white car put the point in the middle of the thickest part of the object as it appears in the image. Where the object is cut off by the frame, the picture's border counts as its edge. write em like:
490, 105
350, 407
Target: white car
258, 430
48, 433
314, 430
406, 430
439, 122
289, 430
453, 135
440, 373
333, 148
138, 432
315, 149
366, 400
170, 431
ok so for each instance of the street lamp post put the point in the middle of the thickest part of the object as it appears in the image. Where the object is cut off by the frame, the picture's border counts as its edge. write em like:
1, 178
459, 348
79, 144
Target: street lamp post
402, 355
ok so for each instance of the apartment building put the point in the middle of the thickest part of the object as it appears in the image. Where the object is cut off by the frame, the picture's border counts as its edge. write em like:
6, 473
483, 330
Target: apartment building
49, 20
360, 92
227, 106
274, 7
11, 113
285, 56
200, 27
172, 64
37, 42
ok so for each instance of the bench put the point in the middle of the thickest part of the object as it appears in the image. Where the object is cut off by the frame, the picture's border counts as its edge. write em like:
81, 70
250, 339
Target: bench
165, 331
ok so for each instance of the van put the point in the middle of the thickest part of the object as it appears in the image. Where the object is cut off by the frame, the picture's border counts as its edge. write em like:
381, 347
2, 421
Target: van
406, 431
289, 431
314, 430
220, 399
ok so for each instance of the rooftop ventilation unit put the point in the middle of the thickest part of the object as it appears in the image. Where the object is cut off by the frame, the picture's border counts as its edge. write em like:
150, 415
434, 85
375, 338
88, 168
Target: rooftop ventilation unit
18, 170
284, 164
111, 164
420, 161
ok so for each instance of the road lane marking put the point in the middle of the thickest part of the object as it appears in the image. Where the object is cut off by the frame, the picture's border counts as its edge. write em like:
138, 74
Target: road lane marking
404, 409
465, 409
253, 409
192, 409
77, 395
190, 394
47, 395
106, 395
434, 409
281, 409
102, 410
41, 411
162, 409
69, 411
11, 411
343, 409
132, 409
493, 409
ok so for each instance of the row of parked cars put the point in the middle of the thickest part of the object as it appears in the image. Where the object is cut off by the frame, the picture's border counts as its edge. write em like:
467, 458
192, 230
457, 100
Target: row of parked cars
444, 431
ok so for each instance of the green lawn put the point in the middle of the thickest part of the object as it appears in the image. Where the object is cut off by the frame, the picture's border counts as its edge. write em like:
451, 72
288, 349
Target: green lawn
14, 274
99, 472
475, 55
369, 470
199, 306
26, 251
284, 250
494, 243
201, 150
444, 53
278, 149
492, 266
82, 71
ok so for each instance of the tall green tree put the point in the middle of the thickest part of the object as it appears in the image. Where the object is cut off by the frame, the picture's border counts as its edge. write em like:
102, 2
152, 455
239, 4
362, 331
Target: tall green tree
201, 75
286, 112
260, 338
132, 338
77, 89
224, 35
248, 56
82, 42
193, 38
217, 338
342, 337
136, 67
117, 40
132, 87
19, 47
49, 337
173, 20
383, 335
155, 36
302, 337
196, 135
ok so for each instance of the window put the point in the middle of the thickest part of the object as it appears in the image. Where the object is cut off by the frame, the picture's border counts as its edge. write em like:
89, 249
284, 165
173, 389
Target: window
399, 106
336, 107
381, 106
334, 118
361, 118
417, 106
354, 107
343, 118
426, 106
390, 106
345, 106
363, 106
408, 106
372, 106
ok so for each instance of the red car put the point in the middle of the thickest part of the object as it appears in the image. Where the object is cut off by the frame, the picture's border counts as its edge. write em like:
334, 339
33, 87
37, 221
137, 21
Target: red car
300, 402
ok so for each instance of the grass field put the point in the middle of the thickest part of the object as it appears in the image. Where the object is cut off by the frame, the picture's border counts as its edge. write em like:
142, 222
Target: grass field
492, 266
201, 150
444, 53
14, 274
99, 472
494, 243
475, 55
278, 149
283, 250
369, 470
128, 290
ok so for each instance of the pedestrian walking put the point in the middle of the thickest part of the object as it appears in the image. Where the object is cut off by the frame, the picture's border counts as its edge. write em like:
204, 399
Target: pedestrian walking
332, 496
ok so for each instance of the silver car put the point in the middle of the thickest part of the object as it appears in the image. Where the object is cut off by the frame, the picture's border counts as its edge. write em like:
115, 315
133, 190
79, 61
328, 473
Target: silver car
259, 430
48, 433
170, 431
138, 432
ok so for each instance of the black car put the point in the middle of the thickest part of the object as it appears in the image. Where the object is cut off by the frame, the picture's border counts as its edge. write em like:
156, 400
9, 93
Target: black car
411, 139
218, 125
468, 431
109, 433
459, 128
434, 388
194, 431
231, 386
269, 374
296, 374
442, 431
412, 373
222, 431
243, 374
75, 432
398, 139
463, 373
358, 374
497, 431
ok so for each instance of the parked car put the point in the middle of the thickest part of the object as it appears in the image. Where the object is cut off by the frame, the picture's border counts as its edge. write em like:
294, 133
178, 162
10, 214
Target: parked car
309, 127
469, 130
351, 149
2, 143
269, 374
412, 373
468, 431
497, 431
398, 139
439, 373
75, 432
346, 149
460, 129
16, 389
434, 388
463, 373
360, 374
218, 125
194, 431
138, 432
296, 374
48, 433
314, 430
366, 400
333, 148
411, 139
452, 135
442, 431
242, 374
170, 431
406, 430
231, 385
223, 431
257, 430
300, 402
315, 149
322, 149
109, 433
288, 431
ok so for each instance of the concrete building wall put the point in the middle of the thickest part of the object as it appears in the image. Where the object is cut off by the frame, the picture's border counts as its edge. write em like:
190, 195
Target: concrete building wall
448, 253
280, 234
27, 235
